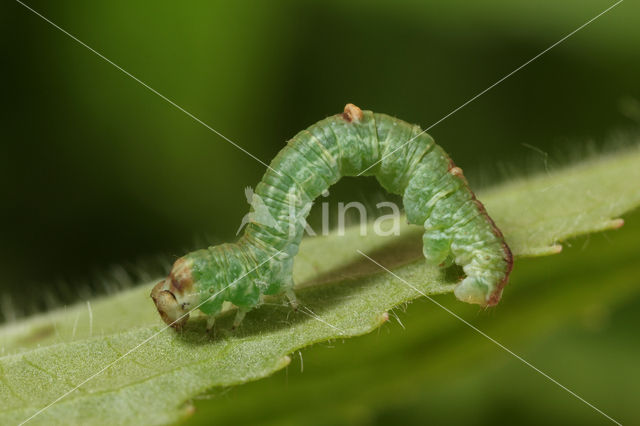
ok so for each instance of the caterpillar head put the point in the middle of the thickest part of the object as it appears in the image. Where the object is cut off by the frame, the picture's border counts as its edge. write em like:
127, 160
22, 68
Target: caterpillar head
171, 294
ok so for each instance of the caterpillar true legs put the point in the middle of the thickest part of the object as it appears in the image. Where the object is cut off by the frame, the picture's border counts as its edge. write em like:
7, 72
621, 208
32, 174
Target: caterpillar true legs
435, 195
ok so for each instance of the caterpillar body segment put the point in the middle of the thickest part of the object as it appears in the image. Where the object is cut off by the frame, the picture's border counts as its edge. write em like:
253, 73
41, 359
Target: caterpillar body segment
435, 195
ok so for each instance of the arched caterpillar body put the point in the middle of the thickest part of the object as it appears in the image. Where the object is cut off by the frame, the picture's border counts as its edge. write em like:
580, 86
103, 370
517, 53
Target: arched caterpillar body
435, 195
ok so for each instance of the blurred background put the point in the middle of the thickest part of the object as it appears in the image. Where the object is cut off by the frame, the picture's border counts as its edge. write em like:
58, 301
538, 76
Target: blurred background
103, 181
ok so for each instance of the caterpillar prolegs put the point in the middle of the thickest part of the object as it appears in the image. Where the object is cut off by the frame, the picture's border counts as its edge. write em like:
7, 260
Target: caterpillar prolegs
435, 195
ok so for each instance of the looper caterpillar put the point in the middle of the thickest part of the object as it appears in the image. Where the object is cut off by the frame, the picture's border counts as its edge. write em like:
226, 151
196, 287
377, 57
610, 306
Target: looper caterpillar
435, 195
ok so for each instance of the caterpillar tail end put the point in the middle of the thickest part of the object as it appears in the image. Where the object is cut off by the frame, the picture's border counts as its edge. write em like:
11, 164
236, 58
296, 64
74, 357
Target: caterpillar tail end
473, 290
482, 291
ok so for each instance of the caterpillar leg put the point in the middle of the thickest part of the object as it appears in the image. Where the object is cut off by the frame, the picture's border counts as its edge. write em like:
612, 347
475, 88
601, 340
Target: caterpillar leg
211, 320
239, 317
449, 261
472, 290
293, 300
436, 247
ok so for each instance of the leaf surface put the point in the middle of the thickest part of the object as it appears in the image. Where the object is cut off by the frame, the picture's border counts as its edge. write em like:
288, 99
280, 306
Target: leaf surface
342, 295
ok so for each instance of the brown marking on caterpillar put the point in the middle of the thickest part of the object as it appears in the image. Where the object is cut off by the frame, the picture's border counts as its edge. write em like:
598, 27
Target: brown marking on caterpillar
497, 294
351, 113
180, 276
508, 256
178, 283
457, 171
167, 305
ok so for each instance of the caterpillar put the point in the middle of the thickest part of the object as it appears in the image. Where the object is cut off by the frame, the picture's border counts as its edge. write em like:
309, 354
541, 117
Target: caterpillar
435, 195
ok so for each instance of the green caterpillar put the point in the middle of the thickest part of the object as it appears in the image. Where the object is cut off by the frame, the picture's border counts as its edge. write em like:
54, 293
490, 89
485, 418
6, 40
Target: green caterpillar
435, 195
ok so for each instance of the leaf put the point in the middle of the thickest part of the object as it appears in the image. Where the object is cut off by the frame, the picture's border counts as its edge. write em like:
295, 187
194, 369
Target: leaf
342, 295
566, 315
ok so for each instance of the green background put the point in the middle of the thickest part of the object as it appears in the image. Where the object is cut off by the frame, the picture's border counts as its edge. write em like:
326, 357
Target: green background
98, 171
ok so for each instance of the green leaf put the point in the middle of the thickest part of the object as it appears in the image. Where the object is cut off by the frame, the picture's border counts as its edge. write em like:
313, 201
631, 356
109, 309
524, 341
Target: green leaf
567, 315
342, 295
